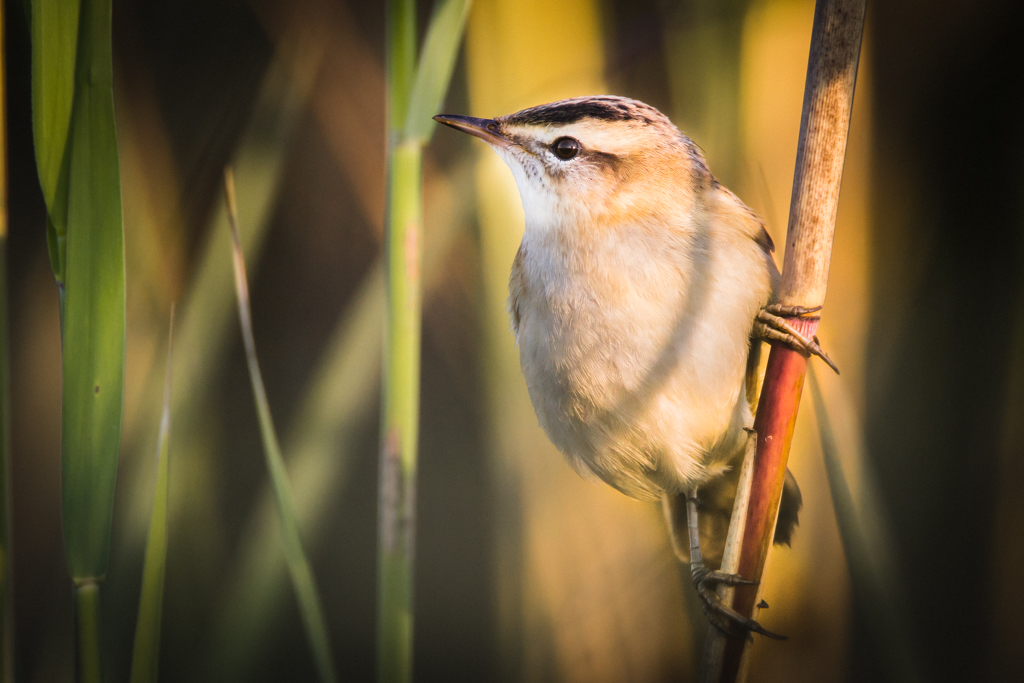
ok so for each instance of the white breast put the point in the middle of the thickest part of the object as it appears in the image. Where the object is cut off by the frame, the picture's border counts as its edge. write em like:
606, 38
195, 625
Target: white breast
634, 344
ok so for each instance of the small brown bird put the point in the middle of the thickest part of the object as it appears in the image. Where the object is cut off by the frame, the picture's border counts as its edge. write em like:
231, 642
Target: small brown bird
638, 297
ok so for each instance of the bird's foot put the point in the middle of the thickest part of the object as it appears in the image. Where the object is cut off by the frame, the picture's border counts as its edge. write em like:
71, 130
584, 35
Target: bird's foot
771, 325
724, 618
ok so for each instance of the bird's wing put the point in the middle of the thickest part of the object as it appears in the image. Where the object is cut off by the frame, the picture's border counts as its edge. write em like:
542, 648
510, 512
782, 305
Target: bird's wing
516, 288
764, 239
741, 223
729, 203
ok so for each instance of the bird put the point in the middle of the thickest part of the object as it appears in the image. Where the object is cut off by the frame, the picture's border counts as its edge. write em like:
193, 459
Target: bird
639, 298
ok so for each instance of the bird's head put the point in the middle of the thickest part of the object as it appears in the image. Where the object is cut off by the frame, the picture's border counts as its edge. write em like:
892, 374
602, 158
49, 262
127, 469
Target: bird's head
593, 160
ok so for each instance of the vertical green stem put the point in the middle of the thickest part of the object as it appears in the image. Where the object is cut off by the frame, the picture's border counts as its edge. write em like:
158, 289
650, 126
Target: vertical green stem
87, 622
401, 63
404, 245
400, 410
414, 93
400, 413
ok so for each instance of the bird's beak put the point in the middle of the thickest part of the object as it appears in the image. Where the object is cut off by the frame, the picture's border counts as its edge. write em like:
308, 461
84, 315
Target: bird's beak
485, 129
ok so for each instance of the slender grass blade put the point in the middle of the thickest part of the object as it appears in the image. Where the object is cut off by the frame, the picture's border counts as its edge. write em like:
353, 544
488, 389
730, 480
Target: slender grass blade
146, 653
440, 49
298, 564
205, 316
319, 442
321, 454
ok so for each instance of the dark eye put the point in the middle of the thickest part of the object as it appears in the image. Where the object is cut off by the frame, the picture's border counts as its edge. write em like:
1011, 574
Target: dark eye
566, 148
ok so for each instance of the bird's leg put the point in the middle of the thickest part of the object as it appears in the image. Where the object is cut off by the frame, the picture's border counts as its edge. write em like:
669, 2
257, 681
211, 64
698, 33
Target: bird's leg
704, 580
770, 325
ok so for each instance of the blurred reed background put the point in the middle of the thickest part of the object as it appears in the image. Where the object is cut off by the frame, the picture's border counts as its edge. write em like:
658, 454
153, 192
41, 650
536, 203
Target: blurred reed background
524, 570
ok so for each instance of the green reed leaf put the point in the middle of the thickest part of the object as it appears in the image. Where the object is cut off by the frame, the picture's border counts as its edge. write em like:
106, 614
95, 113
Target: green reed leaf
54, 28
94, 306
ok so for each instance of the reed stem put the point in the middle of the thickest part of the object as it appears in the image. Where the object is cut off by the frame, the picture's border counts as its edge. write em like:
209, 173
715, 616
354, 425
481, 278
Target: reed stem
400, 427
828, 103
415, 90
396, 512
87, 632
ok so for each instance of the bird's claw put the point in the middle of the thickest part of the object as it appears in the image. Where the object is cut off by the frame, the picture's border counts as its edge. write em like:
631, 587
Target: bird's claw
771, 325
724, 618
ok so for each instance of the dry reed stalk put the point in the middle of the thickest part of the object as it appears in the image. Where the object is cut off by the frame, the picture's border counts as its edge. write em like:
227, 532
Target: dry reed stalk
824, 125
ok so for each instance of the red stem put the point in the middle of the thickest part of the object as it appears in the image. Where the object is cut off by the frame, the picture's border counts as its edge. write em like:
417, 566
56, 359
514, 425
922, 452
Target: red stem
774, 424
824, 124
